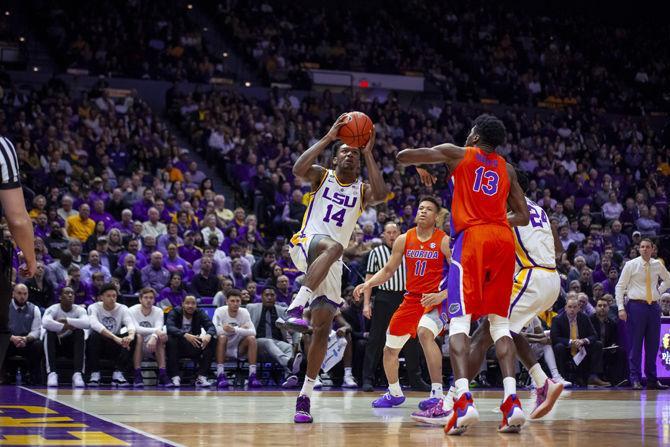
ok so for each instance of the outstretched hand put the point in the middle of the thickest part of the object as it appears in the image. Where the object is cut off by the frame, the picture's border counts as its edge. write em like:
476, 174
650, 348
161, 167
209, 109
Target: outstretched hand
367, 149
427, 178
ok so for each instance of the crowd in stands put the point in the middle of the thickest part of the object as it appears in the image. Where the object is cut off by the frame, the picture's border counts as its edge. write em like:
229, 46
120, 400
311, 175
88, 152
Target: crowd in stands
516, 54
141, 39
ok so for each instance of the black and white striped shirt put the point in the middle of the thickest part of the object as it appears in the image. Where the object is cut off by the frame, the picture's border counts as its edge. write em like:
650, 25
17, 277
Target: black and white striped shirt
9, 165
377, 259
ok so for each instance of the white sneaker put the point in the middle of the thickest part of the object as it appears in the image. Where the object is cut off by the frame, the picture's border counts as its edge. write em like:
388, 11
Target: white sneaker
559, 379
202, 382
52, 379
119, 380
175, 382
349, 382
318, 383
78, 380
94, 380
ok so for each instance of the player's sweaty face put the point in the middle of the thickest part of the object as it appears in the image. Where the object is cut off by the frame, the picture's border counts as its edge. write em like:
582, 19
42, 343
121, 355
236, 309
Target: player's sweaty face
348, 157
426, 213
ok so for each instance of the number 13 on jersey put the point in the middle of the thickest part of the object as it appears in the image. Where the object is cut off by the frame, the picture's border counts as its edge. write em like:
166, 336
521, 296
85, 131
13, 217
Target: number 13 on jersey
486, 181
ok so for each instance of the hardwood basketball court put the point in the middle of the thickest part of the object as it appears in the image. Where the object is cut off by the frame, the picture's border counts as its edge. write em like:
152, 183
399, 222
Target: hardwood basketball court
248, 418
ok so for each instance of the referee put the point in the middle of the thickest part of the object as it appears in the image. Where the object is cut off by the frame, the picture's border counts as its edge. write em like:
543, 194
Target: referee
387, 299
21, 228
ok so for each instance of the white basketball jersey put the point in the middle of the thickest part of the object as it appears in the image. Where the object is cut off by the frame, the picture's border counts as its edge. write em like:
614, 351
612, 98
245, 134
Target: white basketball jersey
534, 243
333, 209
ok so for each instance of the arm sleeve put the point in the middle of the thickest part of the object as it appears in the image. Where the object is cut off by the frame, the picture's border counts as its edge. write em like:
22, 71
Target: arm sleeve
372, 261
82, 321
218, 327
171, 325
128, 321
207, 323
556, 336
96, 325
246, 321
665, 278
50, 324
622, 285
37, 320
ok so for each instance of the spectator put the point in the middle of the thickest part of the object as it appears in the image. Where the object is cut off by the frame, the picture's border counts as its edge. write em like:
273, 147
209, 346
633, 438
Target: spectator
273, 343
236, 338
639, 283
40, 290
571, 332
210, 229
227, 264
173, 294
129, 276
82, 293
107, 340
66, 210
94, 266
645, 224
189, 252
56, 272
262, 271
151, 337
153, 227
80, 226
64, 324
24, 330
205, 283
155, 275
185, 324
612, 209
284, 295
174, 263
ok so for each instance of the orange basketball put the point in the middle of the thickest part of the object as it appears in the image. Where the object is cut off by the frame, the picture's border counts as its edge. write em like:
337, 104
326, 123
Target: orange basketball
356, 132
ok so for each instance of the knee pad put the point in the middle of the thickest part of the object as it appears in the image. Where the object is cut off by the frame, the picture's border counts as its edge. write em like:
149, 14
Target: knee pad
460, 325
499, 327
428, 323
396, 341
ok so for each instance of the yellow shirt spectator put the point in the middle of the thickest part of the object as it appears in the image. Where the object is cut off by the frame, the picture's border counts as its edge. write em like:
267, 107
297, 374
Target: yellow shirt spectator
80, 226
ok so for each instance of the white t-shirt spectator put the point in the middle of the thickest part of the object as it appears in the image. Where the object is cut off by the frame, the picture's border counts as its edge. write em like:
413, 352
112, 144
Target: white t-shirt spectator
241, 322
112, 320
146, 325
76, 317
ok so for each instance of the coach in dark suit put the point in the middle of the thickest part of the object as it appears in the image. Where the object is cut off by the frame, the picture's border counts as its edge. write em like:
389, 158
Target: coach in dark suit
571, 331
614, 358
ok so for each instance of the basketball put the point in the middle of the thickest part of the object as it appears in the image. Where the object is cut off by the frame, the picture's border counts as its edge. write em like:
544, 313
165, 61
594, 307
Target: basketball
356, 132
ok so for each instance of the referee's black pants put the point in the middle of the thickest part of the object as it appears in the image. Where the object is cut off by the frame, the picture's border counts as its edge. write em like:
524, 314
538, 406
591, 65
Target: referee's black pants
6, 253
385, 304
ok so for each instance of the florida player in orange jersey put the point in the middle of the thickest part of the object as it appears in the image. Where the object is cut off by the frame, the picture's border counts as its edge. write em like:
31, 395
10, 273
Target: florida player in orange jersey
481, 274
425, 250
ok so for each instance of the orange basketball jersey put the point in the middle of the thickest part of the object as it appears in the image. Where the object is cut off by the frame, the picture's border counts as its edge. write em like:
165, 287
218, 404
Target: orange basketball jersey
479, 187
426, 265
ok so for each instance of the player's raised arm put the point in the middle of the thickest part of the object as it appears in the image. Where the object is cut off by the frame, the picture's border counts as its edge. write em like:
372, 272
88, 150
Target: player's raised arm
518, 216
304, 166
376, 191
443, 153
385, 273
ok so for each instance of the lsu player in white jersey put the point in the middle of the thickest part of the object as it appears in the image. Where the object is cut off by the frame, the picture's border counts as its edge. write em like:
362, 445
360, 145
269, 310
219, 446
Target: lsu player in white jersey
337, 199
536, 286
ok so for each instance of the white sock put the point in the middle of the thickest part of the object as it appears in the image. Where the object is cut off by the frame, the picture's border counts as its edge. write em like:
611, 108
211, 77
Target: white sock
448, 401
307, 387
509, 383
347, 371
462, 386
436, 390
301, 298
219, 369
394, 389
539, 377
550, 360
252, 369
